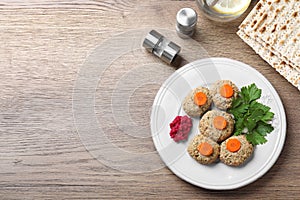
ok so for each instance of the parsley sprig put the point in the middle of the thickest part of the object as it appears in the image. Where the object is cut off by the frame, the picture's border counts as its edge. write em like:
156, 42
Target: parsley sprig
251, 117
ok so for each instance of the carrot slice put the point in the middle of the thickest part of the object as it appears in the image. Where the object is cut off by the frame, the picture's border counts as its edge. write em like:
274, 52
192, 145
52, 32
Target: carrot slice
220, 122
200, 98
226, 91
205, 149
233, 145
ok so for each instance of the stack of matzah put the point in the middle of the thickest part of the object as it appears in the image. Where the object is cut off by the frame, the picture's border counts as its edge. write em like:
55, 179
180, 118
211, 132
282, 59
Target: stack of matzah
272, 29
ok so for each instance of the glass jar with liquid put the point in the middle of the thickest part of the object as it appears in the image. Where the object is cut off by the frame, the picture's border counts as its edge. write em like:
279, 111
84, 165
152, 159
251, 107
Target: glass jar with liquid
223, 10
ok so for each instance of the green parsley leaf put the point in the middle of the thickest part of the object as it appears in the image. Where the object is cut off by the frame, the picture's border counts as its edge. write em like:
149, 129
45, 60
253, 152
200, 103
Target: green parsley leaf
236, 102
239, 127
240, 110
250, 93
257, 114
255, 138
250, 123
256, 105
267, 117
264, 128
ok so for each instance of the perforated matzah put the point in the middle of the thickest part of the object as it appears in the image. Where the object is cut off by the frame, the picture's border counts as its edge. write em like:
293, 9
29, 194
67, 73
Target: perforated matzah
272, 29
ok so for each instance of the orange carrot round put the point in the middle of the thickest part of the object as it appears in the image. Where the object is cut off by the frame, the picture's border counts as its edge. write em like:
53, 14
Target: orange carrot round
220, 122
226, 91
205, 149
200, 98
233, 145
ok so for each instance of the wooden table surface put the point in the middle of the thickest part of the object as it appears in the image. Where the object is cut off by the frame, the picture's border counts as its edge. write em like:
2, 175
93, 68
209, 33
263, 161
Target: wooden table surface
44, 45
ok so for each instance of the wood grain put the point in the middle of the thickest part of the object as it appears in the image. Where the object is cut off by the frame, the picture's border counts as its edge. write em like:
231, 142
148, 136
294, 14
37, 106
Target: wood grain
43, 46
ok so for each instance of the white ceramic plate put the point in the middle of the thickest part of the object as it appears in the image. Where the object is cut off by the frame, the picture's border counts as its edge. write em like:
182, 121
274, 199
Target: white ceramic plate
167, 105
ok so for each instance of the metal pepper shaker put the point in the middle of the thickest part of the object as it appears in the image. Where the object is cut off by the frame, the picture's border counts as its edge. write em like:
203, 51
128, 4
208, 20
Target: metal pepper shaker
160, 46
186, 20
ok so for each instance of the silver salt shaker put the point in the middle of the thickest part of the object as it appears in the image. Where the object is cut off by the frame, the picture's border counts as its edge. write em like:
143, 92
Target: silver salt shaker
186, 20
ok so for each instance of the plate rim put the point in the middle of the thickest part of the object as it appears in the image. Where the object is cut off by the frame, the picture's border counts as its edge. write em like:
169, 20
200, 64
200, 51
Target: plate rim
280, 144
